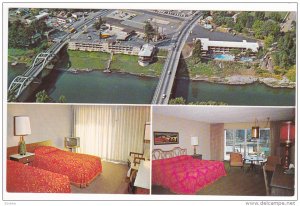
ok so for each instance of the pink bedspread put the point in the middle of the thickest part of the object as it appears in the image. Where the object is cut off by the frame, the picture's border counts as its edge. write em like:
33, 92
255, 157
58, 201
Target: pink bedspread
185, 175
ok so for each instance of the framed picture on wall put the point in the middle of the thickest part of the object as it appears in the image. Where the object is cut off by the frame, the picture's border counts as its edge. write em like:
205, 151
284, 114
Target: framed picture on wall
161, 138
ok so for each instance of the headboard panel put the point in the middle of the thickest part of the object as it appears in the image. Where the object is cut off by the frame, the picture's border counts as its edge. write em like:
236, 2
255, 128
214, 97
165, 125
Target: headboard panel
160, 154
29, 147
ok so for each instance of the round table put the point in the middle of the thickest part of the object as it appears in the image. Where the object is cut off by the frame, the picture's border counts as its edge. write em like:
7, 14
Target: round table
252, 159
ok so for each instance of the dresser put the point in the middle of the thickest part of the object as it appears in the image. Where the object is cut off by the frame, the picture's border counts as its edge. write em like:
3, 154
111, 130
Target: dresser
282, 184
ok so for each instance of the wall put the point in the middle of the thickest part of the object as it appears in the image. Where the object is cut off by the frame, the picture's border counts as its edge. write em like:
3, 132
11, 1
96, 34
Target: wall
186, 129
47, 122
245, 125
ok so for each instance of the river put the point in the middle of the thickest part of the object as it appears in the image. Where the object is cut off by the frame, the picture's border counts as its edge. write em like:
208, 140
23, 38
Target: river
99, 87
256, 94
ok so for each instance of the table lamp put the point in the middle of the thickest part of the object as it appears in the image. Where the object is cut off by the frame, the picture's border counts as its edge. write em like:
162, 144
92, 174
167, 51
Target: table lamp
22, 128
194, 142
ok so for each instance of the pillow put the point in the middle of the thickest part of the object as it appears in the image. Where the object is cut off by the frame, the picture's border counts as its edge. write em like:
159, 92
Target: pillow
44, 150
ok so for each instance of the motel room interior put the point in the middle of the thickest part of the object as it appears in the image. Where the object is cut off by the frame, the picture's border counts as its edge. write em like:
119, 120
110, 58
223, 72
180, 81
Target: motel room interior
78, 149
237, 151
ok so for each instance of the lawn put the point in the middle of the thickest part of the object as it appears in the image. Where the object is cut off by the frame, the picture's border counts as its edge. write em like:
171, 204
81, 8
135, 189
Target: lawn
90, 60
120, 62
128, 63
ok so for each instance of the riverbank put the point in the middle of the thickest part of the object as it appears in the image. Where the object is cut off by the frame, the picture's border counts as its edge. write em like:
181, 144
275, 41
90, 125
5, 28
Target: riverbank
243, 80
231, 73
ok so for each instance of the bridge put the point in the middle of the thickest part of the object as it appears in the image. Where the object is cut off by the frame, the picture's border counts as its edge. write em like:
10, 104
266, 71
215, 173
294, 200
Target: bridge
21, 82
167, 77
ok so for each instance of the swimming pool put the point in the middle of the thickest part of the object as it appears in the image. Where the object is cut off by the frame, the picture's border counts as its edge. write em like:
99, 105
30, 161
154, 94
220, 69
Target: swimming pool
224, 57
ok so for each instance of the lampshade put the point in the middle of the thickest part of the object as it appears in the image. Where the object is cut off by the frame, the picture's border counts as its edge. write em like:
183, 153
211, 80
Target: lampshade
22, 126
255, 132
147, 131
287, 131
194, 141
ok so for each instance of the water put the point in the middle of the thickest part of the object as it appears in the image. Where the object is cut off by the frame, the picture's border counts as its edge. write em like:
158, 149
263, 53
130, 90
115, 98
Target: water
246, 59
224, 57
98, 87
253, 94
14, 71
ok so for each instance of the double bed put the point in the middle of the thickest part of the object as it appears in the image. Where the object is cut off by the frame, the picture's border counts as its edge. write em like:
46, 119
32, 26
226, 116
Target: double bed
23, 178
182, 174
81, 169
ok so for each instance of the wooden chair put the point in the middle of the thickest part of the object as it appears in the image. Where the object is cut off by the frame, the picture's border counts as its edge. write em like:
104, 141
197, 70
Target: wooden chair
236, 160
267, 185
133, 157
271, 163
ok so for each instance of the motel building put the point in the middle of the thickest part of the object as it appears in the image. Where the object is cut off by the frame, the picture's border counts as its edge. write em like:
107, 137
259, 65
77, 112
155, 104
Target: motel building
224, 47
146, 54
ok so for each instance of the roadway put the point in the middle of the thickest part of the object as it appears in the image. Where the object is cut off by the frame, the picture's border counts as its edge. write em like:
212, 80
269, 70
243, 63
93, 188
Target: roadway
165, 84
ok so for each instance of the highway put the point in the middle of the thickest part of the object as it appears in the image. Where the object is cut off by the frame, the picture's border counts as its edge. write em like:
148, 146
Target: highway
41, 60
166, 80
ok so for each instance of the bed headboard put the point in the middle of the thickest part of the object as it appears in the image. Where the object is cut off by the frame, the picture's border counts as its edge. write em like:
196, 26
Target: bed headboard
160, 154
29, 147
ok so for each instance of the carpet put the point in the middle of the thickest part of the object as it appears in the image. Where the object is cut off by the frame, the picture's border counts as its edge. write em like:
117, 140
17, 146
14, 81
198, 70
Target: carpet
112, 180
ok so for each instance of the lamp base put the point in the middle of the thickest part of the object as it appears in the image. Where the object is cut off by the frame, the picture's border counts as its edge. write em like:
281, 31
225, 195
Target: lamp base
22, 146
286, 160
194, 150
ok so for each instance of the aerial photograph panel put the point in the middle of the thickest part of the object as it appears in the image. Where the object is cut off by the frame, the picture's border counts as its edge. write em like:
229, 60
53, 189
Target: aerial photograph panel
130, 56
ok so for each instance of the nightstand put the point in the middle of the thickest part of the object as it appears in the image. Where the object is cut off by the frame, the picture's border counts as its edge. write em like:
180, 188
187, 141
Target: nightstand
25, 159
197, 156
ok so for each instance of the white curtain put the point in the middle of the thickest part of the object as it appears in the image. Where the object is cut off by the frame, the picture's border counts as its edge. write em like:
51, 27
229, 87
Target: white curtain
110, 132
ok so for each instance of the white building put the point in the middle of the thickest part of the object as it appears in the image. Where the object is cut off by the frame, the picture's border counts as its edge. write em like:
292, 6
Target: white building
42, 16
103, 47
146, 54
220, 47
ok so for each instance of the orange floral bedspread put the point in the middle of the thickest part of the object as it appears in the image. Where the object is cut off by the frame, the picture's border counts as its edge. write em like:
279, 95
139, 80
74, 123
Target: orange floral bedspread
23, 178
81, 169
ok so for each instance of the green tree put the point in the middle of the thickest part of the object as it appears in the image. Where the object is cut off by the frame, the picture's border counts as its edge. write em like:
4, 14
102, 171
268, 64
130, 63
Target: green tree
197, 52
42, 97
291, 74
275, 16
177, 100
62, 99
97, 25
149, 31
259, 15
269, 40
258, 29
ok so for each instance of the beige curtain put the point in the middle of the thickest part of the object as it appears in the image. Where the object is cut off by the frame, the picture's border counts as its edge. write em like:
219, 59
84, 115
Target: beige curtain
110, 132
217, 141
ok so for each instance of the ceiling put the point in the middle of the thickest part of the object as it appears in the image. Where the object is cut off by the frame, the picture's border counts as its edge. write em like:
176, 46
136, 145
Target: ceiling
226, 114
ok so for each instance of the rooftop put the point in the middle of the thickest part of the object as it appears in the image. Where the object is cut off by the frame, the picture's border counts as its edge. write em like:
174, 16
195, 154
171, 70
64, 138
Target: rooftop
206, 42
146, 50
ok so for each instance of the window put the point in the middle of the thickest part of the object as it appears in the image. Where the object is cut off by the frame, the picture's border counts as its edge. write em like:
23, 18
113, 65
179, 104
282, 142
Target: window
240, 140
